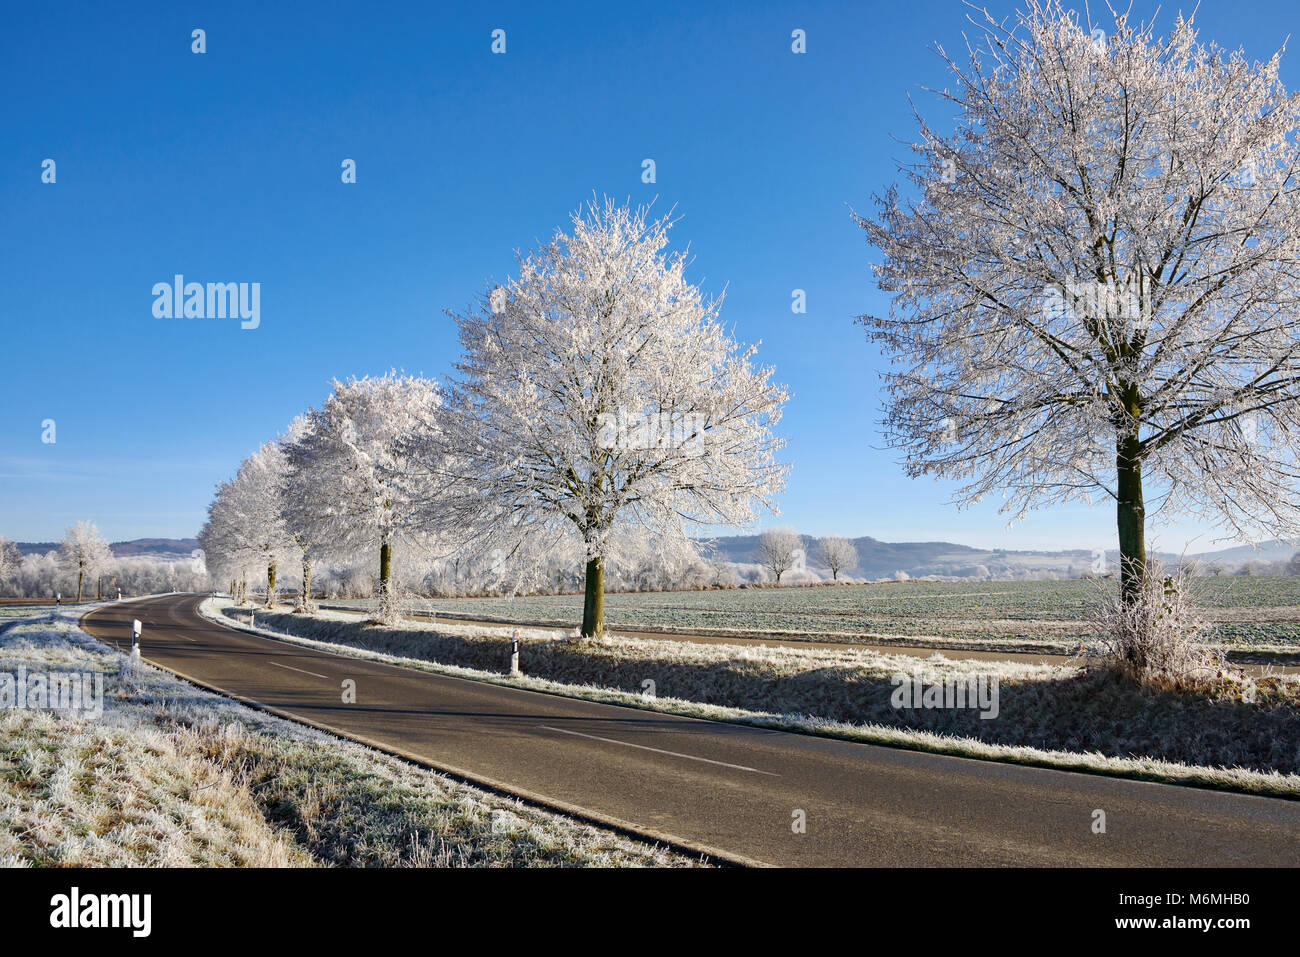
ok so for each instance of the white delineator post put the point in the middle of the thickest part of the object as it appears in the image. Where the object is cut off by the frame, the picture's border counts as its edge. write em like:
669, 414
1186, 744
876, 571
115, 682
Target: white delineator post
136, 628
514, 654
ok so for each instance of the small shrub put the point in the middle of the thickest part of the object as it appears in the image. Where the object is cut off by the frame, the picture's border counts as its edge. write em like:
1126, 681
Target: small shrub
1156, 640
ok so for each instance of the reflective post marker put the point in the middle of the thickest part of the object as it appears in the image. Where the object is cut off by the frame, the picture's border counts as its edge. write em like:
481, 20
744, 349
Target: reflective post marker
514, 654
135, 637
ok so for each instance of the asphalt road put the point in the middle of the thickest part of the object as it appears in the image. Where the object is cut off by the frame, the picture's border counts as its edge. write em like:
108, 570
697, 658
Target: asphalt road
718, 785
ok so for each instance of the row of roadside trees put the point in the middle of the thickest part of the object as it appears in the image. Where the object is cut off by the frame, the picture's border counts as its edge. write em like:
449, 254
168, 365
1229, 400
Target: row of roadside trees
1092, 296
599, 413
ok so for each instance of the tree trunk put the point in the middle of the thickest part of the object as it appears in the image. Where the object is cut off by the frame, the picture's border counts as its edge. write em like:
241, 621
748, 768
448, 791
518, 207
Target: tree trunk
593, 607
99, 589
1130, 514
306, 582
270, 585
80, 576
385, 569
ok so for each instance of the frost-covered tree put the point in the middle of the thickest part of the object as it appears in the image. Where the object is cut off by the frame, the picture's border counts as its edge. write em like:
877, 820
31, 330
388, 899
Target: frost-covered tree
351, 472
258, 492
9, 558
1095, 288
83, 552
299, 522
838, 553
231, 542
601, 403
778, 550
245, 526
214, 540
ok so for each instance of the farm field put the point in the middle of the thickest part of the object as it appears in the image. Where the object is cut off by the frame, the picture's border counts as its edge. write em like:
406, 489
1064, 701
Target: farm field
1240, 611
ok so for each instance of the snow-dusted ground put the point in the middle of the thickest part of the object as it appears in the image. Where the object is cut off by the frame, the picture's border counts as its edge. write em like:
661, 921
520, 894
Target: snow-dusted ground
1256, 614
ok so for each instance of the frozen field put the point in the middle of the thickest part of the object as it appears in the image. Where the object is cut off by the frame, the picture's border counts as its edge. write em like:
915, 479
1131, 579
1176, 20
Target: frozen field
1241, 610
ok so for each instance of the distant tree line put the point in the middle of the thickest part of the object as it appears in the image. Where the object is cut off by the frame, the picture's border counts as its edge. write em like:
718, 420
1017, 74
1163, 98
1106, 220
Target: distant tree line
83, 567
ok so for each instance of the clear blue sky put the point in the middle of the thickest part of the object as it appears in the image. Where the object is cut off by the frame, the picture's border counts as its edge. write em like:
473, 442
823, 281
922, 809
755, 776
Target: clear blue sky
226, 167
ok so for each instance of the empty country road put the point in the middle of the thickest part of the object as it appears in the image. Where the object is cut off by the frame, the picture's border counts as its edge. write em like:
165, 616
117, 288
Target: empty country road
722, 786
